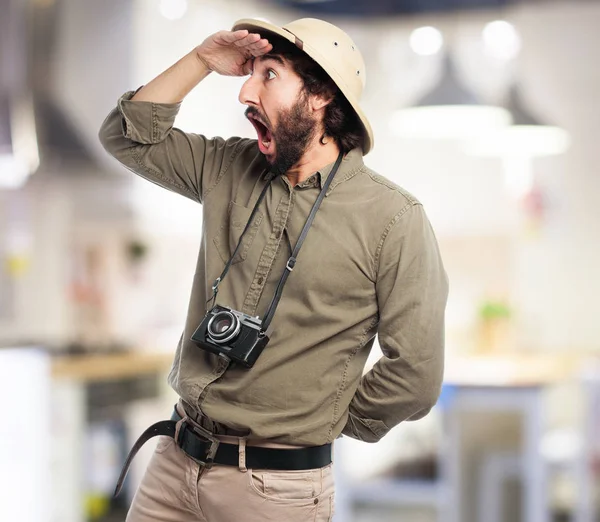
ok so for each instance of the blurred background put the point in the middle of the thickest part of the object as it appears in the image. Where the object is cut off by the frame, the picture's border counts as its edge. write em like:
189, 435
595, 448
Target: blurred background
487, 110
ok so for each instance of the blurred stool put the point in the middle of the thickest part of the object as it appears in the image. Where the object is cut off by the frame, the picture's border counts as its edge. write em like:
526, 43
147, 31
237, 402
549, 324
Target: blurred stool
497, 467
577, 451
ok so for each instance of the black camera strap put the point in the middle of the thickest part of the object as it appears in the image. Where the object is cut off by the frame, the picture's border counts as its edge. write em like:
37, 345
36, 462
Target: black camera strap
291, 262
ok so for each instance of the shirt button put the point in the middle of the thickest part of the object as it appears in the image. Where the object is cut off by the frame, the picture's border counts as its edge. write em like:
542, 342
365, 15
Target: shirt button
260, 280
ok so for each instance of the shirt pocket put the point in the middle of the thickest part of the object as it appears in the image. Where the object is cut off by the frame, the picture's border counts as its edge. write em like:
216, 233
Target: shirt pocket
230, 232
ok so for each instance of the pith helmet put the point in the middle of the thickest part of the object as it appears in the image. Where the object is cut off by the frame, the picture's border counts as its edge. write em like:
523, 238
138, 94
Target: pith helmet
332, 49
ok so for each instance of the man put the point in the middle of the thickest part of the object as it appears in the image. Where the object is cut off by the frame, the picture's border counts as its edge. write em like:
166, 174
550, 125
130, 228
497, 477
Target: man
369, 265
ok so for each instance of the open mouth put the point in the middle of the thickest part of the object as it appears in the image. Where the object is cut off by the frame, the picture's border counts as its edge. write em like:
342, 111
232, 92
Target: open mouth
265, 138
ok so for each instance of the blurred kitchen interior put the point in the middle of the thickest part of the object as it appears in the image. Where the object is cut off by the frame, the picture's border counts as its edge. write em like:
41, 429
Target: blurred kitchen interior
487, 110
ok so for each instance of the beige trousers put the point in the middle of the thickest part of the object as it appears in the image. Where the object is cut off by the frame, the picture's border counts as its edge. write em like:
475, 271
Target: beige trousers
177, 489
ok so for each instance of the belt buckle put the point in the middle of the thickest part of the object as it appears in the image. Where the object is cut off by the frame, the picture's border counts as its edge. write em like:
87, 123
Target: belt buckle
205, 434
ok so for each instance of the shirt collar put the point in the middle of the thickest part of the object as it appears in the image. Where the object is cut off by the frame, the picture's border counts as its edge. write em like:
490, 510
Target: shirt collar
350, 166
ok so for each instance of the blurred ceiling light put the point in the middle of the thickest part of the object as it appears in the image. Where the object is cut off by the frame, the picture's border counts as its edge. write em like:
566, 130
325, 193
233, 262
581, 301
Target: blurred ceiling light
448, 111
426, 41
519, 143
501, 40
527, 136
19, 155
173, 9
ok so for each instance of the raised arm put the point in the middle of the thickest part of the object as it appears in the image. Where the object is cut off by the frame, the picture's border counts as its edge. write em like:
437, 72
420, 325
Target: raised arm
139, 132
226, 52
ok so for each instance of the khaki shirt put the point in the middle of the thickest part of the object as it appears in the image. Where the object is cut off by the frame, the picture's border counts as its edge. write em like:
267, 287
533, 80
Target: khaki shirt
370, 265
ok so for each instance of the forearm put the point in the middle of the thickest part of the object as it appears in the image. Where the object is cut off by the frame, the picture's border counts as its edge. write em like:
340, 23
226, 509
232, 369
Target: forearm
139, 132
392, 392
174, 84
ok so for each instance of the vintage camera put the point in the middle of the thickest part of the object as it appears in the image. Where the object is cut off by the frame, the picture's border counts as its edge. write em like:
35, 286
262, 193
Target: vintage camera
231, 334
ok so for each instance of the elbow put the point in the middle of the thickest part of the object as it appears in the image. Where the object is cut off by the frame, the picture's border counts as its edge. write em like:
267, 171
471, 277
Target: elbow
103, 138
113, 141
425, 402
421, 413
106, 134
111, 134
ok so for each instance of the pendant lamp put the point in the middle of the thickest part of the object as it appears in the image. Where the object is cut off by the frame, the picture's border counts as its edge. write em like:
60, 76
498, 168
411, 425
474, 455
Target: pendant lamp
449, 111
518, 144
526, 136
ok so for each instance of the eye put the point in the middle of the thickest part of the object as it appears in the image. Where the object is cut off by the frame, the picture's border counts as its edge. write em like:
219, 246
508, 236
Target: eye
271, 74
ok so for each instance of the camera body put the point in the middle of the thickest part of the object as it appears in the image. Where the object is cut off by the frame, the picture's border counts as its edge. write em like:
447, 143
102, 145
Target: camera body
231, 334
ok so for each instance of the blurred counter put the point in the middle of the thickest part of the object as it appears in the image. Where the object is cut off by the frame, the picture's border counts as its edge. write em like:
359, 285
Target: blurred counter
108, 367
516, 369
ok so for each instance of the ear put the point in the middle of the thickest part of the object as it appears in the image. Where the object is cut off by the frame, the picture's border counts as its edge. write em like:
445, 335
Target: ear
320, 101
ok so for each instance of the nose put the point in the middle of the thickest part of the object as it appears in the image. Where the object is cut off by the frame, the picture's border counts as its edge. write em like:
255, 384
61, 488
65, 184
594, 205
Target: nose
249, 92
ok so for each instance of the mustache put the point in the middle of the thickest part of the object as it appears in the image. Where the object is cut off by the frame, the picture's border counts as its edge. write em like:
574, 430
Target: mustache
253, 111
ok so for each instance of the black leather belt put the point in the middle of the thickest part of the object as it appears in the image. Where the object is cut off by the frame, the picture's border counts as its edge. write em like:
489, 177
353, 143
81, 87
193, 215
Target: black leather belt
202, 446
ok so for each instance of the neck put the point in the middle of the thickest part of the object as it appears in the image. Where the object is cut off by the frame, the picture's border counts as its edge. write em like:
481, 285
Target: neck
315, 158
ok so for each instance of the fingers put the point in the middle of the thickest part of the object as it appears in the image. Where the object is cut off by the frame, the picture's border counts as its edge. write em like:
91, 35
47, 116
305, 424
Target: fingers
247, 40
249, 44
232, 36
243, 38
261, 47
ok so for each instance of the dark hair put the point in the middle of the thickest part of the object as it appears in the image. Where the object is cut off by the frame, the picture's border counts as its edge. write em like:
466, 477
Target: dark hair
340, 121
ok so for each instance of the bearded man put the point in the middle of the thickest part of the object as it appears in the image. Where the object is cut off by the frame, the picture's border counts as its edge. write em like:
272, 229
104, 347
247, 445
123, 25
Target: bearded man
251, 438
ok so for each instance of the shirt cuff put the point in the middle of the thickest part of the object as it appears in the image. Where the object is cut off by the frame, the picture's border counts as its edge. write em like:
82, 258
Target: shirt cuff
366, 430
146, 122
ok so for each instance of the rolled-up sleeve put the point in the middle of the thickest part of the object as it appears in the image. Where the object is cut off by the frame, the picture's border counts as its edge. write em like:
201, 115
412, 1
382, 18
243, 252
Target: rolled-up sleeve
141, 136
412, 291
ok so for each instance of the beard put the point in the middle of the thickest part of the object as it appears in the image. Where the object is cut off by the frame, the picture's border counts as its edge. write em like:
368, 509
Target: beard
293, 133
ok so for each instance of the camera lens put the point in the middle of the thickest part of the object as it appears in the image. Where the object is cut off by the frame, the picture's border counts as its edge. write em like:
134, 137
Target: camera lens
223, 327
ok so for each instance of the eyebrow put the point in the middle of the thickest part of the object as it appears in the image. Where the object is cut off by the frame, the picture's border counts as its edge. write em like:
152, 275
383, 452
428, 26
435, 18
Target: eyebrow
274, 57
